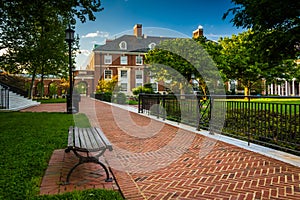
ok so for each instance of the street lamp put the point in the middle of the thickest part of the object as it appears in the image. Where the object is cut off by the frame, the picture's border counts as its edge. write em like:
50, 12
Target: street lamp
70, 39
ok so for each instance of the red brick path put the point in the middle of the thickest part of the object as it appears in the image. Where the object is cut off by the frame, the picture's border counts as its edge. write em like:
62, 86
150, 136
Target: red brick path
85, 176
152, 160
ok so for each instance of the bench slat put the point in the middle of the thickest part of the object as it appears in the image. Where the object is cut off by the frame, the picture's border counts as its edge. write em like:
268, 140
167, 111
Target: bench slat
71, 137
85, 137
97, 141
88, 137
104, 139
76, 137
85, 144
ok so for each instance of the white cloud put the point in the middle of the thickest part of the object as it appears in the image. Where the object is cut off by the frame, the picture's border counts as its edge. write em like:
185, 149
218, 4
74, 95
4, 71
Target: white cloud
96, 34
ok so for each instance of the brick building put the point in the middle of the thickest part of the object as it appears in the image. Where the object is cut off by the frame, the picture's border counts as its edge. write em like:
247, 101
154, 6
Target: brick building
122, 57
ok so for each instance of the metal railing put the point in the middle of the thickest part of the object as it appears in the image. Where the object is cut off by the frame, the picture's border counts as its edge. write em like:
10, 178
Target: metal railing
270, 121
4, 96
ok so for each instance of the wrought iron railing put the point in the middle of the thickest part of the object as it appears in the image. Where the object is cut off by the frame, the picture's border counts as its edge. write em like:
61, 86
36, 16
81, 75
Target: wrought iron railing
270, 121
4, 96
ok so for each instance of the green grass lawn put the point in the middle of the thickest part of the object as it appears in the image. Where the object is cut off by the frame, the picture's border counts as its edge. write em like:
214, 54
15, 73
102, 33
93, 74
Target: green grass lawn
28, 141
60, 100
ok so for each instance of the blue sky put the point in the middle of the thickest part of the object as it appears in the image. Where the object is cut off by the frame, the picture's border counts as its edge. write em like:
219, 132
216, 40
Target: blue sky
177, 18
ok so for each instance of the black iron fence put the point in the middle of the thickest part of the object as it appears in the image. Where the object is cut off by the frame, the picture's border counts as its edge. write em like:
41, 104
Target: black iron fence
270, 121
4, 96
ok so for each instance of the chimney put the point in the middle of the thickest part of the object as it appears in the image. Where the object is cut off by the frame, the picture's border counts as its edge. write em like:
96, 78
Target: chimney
199, 32
137, 30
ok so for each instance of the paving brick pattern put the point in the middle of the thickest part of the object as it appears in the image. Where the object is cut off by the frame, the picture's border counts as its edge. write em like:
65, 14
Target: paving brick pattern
224, 172
152, 160
85, 176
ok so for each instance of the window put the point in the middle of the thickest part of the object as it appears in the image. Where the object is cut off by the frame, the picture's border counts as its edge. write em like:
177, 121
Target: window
138, 84
139, 60
124, 87
123, 45
152, 45
123, 73
139, 74
138, 78
107, 74
107, 59
123, 60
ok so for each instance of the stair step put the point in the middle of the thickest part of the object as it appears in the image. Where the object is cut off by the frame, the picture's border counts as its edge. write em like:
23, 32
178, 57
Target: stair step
18, 102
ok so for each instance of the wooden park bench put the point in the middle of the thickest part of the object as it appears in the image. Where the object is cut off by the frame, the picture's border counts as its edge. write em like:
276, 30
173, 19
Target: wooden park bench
88, 144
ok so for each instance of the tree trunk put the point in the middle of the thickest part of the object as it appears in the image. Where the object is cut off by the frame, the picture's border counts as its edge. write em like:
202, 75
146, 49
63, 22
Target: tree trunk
32, 83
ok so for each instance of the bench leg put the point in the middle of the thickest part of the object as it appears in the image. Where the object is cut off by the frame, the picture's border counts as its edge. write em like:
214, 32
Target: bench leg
108, 179
83, 160
70, 172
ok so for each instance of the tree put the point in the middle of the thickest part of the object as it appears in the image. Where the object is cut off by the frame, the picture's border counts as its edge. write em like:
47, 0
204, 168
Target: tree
276, 26
176, 60
32, 33
241, 60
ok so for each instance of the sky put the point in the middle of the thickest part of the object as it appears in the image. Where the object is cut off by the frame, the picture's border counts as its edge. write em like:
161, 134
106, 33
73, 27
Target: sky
174, 18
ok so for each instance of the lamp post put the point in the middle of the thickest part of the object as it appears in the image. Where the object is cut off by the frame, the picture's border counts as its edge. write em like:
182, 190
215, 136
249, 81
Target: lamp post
70, 39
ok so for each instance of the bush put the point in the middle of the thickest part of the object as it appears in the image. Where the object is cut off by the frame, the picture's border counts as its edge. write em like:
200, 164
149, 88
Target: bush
120, 98
104, 96
142, 89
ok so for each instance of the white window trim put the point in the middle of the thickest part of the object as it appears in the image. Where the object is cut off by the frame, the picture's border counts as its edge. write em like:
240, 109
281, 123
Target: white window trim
139, 80
124, 63
121, 45
126, 74
105, 74
122, 87
151, 45
137, 62
107, 57
124, 80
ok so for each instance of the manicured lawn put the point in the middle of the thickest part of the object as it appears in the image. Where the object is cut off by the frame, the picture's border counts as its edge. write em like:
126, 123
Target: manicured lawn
60, 100
28, 141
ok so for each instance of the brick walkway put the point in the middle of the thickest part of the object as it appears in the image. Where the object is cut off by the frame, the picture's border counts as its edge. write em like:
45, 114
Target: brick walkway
153, 160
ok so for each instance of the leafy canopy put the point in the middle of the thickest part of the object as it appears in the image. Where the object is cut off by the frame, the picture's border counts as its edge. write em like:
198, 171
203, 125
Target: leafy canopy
275, 23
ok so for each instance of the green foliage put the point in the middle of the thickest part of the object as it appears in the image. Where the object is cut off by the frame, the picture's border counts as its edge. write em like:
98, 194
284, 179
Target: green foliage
80, 88
240, 60
279, 19
33, 34
104, 96
107, 85
176, 60
142, 89
51, 100
120, 98
53, 88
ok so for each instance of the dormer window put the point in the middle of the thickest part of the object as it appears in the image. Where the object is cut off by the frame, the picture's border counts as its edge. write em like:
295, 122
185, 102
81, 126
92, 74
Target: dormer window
123, 45
151, 45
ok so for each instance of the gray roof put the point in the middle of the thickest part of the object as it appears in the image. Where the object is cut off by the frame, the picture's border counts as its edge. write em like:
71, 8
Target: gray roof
134, 44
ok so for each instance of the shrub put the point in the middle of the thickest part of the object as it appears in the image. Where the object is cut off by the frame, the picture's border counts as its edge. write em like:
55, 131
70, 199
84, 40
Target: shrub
142, 89
104, 96
120, 98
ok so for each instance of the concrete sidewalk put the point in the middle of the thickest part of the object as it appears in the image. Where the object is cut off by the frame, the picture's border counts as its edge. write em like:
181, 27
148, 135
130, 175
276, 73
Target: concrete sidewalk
155, 160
